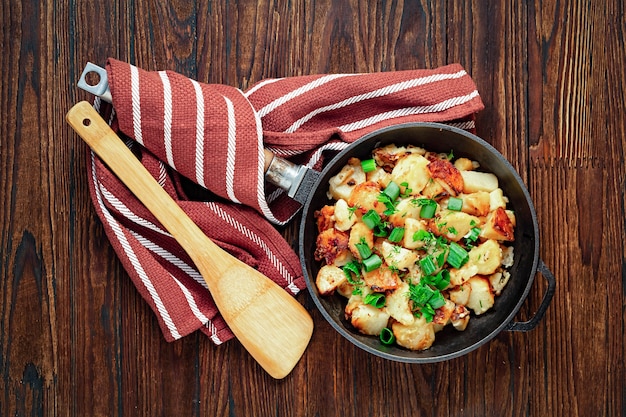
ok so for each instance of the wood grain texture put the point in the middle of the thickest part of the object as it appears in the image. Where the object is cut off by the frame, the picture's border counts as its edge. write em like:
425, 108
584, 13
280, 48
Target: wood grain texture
77, 340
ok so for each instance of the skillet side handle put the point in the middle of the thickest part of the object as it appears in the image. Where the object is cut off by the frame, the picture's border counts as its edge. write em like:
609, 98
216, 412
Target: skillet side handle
526, 326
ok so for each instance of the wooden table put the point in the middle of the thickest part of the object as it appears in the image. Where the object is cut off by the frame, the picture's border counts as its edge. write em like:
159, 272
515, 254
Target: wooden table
75, 337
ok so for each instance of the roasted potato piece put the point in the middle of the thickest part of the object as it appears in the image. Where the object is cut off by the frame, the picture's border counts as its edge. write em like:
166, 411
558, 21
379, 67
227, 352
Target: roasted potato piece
381, 279
416, 336
405, 209
498, 281
461, 275
360, 233
413, 170
397, 304
368, 319
498, 226
507, 256
329, 278
397, 256
354, 301
497, 199
342, 184
433, 189
411, 227
345, 289
460, 294
464, 164
476, 204
481, 297
365, 197
453, 225
343, 216
486, 257
443, 172
331, 245
474, 181
379, 176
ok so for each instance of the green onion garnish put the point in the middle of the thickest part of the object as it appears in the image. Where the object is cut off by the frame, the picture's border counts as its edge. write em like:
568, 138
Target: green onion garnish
455, 204
428, 265
392, 190
472, 235
457, 256
386, 336
368, 165
372, 262
376, 299
420, 293
437, 300
439, 281
428, 208
443, 279
352, 270
371, 219
396, 234
364, 250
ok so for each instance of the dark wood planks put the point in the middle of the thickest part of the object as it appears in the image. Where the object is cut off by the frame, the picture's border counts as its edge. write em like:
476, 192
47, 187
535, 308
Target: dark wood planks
75, 337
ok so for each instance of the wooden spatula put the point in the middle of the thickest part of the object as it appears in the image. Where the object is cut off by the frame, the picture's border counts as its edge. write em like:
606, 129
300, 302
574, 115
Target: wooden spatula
268, 322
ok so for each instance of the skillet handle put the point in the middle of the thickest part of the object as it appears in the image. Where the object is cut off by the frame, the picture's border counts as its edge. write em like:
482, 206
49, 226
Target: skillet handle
525, 326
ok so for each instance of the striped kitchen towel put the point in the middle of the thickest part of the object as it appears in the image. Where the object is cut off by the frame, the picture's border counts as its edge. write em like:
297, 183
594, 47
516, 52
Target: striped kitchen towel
213, 135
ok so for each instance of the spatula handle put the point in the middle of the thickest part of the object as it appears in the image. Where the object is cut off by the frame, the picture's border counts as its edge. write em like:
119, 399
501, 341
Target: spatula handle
109, 147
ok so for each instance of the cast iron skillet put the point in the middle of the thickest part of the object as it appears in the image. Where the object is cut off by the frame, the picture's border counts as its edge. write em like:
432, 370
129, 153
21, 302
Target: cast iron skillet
449, 343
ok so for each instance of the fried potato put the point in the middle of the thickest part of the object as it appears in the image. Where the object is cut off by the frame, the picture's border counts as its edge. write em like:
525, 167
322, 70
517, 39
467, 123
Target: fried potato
342, 184
474, 181
412, 170
416, 336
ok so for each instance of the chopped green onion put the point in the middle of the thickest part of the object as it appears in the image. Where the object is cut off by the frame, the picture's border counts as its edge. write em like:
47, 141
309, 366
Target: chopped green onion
443, 279
380, 230
420, 294
372, 262
437, 300
455, 204
472, 235
427, 265
352, 270
371, 219
386, 336
364, 250
392, 190
368, 165
429, 207
428, 312
396, 234
376, 299
457, 256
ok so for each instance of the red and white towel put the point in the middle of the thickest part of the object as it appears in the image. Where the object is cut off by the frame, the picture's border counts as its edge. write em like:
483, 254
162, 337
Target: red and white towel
214, 135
